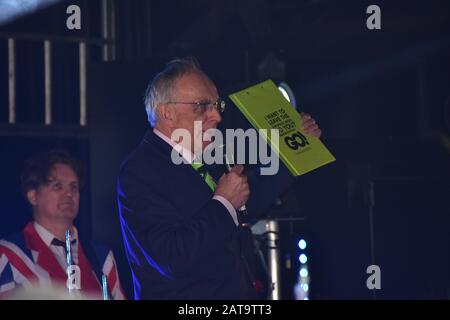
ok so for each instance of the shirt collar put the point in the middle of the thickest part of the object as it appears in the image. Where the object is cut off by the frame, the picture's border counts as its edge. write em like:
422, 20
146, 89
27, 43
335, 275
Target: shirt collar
47, 236
187, 155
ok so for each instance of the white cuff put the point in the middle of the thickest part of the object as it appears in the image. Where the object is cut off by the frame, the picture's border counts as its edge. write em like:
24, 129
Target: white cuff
229, 207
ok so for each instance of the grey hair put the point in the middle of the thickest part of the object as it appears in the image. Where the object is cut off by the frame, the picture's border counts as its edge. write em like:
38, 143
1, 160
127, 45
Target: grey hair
161, 86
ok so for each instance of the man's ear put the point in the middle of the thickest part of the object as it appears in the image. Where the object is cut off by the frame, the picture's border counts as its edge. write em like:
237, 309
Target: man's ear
31, 196
166, 112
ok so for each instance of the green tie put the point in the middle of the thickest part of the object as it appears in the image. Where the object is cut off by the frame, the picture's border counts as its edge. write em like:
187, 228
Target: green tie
205, 175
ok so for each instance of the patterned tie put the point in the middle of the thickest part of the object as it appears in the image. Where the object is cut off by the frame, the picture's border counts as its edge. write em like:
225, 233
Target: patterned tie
200, 168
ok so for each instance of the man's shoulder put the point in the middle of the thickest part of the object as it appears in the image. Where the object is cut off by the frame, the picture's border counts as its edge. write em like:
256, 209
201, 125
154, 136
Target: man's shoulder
14, 244
147, 152
15, 238
139, 163
150, 158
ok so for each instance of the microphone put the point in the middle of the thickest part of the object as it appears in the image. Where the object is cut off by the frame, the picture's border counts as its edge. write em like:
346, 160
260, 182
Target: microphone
228, 161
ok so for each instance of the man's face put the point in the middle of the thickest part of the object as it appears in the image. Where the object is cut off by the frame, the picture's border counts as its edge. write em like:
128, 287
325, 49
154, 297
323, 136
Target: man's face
59, 198
195, 87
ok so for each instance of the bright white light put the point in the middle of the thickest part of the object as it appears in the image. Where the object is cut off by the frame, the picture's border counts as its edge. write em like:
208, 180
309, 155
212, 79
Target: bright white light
302, 244
305, 287
303, 258
13, 9
287, 93
284, 93
303, 272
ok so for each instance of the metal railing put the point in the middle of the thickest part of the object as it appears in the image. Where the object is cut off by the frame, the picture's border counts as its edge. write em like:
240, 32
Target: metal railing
107, 44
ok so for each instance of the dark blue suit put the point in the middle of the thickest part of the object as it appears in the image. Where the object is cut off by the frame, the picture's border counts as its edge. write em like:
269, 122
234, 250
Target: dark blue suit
180, 243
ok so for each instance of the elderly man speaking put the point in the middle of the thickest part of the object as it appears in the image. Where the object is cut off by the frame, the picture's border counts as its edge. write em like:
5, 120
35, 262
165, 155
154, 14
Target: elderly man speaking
180, 222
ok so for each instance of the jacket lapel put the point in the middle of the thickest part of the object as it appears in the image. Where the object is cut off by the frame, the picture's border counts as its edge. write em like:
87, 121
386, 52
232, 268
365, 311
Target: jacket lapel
45, 258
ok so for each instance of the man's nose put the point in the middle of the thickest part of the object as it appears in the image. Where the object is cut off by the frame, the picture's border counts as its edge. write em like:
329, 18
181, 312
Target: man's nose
69, 192
214, 114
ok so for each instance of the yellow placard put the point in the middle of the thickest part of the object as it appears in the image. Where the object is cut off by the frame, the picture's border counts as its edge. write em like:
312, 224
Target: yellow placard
266, 108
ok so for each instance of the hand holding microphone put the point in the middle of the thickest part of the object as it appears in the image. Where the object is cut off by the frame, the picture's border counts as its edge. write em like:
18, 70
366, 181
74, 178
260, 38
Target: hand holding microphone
228, 160
234, 187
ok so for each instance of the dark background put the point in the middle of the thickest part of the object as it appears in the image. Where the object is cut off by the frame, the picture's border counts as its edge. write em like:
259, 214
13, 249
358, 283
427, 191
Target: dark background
381, 97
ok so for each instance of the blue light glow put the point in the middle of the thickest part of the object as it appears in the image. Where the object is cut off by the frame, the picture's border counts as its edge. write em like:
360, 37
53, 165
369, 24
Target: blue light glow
302, 244
303, 272
303, 258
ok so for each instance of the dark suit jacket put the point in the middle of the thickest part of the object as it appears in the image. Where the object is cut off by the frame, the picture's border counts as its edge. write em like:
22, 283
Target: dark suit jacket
180, 243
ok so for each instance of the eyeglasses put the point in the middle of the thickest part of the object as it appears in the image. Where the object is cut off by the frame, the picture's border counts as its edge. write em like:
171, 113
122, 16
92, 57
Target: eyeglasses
202, 106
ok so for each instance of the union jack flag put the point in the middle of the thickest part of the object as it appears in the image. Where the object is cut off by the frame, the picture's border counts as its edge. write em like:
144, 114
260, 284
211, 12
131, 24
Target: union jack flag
26, 262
